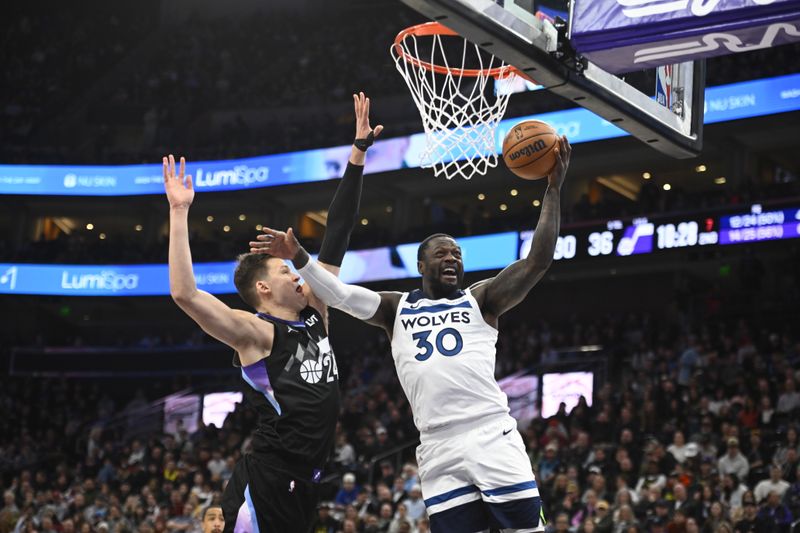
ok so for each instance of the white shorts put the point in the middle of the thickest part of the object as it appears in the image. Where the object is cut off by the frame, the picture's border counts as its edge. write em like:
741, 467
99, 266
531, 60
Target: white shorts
479, 477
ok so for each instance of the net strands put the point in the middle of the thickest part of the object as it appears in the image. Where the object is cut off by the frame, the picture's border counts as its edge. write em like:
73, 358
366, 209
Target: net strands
460, 110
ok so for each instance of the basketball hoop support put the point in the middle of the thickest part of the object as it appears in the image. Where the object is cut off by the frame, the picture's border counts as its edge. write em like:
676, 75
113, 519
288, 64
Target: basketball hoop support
530, 48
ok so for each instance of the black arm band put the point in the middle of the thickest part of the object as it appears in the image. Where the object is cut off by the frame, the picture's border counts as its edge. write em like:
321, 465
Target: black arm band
363, 144
342, 216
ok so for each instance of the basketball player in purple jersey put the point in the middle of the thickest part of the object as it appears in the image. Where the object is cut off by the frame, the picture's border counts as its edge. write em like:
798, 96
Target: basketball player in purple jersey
283, 350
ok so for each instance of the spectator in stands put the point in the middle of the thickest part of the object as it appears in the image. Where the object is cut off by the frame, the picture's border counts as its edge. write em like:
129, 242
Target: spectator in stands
349, 491
792, 495
732, 491
652, 478
216, 465
677, 522
789, 400
766, 415
714, 518
773, 484
678, 447
560, 524
774, 516
548, 464
682, 502
401, 520
783, 453
410, 476
756, 455
349, 526
604, 521
387, 473
588, 508
748, 415
386, 517
9, 514
588, 526
748, 522
344, 453
624, 519
733, 462
690, 358
646, 508
414, 503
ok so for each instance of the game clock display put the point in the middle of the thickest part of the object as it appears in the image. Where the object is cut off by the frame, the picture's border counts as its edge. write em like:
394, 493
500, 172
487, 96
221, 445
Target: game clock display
642, 236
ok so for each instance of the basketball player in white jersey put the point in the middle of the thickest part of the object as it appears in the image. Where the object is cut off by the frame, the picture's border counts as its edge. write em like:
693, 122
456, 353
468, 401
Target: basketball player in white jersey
472, 463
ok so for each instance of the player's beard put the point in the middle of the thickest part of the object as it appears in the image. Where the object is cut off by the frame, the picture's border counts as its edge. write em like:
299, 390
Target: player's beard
445, 288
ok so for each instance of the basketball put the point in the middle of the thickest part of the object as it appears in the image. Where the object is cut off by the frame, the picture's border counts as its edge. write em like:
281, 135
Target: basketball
529, 149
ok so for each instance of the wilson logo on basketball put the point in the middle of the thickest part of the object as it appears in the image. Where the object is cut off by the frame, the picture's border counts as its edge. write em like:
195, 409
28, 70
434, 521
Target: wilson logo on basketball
528, 150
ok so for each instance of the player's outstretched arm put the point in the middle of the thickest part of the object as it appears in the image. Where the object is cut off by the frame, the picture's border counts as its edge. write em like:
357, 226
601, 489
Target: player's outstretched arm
376, 308
344, 208
238, 329
499, 294
343, 211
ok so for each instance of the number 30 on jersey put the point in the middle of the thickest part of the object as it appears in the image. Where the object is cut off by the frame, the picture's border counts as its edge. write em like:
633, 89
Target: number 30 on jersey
448, 342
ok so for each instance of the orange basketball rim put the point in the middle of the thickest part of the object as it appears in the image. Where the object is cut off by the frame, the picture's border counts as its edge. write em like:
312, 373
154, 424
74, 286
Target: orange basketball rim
429, 29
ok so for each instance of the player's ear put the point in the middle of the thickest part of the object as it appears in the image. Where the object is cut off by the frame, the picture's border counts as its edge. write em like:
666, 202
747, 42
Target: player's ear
420, 267
262, 287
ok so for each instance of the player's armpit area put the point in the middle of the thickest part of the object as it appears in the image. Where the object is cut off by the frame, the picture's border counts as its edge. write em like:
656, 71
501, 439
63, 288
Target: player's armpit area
387, 309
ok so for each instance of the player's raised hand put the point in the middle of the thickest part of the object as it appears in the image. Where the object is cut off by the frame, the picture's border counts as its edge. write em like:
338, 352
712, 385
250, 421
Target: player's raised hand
363, 128
180, 192
559, 172
280, 244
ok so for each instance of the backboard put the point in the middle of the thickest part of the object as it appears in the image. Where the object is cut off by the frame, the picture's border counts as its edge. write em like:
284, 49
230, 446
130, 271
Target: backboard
542, 50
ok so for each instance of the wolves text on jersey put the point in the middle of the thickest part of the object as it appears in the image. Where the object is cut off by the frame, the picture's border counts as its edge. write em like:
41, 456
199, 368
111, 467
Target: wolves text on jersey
426, 321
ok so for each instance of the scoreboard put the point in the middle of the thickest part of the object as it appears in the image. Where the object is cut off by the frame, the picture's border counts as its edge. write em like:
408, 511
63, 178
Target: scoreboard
644, 236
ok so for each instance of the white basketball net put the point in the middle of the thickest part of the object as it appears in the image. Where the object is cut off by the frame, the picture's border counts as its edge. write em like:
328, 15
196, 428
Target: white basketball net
460, 114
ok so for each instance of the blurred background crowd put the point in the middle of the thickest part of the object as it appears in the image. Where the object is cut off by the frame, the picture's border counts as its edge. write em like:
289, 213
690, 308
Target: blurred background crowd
692, 432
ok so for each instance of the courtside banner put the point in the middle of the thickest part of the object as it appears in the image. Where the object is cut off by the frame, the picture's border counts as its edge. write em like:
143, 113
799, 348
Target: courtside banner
212, 176
624, 35
108, 280
482, 252
726, 102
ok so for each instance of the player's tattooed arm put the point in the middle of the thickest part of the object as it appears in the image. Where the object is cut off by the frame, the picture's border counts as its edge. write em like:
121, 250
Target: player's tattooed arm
499, 294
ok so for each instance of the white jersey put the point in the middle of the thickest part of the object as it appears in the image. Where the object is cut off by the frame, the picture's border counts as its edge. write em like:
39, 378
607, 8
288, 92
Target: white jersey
444, 352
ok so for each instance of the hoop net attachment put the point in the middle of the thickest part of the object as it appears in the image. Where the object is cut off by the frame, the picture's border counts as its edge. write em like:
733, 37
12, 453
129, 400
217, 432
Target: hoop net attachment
460, 109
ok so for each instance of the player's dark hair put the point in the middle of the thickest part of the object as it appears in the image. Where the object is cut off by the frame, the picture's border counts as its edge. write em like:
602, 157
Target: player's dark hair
206, 509
424, 244
249, 267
